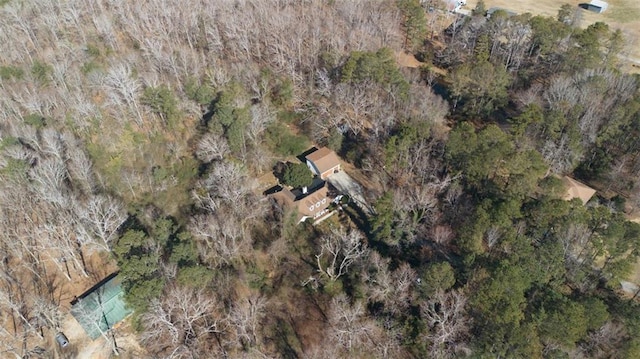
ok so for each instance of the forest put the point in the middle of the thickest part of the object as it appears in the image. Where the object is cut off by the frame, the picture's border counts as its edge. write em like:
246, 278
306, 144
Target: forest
141, 136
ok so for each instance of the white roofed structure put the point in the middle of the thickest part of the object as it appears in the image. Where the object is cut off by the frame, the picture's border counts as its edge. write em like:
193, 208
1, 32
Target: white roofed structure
597, 6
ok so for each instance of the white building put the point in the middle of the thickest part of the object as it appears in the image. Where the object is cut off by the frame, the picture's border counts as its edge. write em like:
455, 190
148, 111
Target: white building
597, 6
455, 5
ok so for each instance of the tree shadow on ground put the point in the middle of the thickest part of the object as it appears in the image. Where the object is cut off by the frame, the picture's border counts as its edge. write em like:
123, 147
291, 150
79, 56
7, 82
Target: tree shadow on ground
282, 339
279, 169
362, 222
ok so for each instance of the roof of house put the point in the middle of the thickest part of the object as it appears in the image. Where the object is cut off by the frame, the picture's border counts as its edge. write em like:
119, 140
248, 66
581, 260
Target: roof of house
287, 195
304, 201
310, 201
324, 159
577, 189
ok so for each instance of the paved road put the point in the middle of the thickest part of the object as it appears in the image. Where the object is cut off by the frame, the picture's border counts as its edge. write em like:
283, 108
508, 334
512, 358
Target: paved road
347, 185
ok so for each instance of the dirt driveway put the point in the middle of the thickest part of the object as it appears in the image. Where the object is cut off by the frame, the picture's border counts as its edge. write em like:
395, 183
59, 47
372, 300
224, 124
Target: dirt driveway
347, 185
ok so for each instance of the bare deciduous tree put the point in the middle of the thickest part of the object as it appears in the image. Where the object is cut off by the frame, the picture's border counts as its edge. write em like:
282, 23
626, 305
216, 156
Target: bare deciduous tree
447, 322
183, 322
261, 117
404, 278
245, 317
222, 238
338, 251
14, 301
48, 311
492, 236
604, 342
393, 288
575, 240
212, 147
349, 325
48, 181
530, 96
442, 234
102, 216
560, 156
377, 276
81, 170
226, 183
122, 88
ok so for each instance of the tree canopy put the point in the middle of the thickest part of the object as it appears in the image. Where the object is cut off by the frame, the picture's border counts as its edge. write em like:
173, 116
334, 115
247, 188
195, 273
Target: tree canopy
154, 139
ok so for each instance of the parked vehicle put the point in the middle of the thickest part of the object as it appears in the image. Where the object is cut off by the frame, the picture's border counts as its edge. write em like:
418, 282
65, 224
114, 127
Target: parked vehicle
62, 339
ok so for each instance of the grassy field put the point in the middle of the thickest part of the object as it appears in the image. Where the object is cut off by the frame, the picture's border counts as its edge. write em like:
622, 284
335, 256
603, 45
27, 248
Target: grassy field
621, 14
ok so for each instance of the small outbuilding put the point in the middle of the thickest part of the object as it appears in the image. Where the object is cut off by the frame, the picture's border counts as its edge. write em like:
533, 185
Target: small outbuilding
596, 6
323, 162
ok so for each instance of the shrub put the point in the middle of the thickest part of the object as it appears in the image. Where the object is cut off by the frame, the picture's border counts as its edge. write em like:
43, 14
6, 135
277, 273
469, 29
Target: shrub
297, 175
283, 142
161, 101
41, 72
35, 120
379, 67
11, 72
203, 94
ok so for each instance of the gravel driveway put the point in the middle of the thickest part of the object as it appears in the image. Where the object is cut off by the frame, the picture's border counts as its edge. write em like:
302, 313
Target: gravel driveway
347, 185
